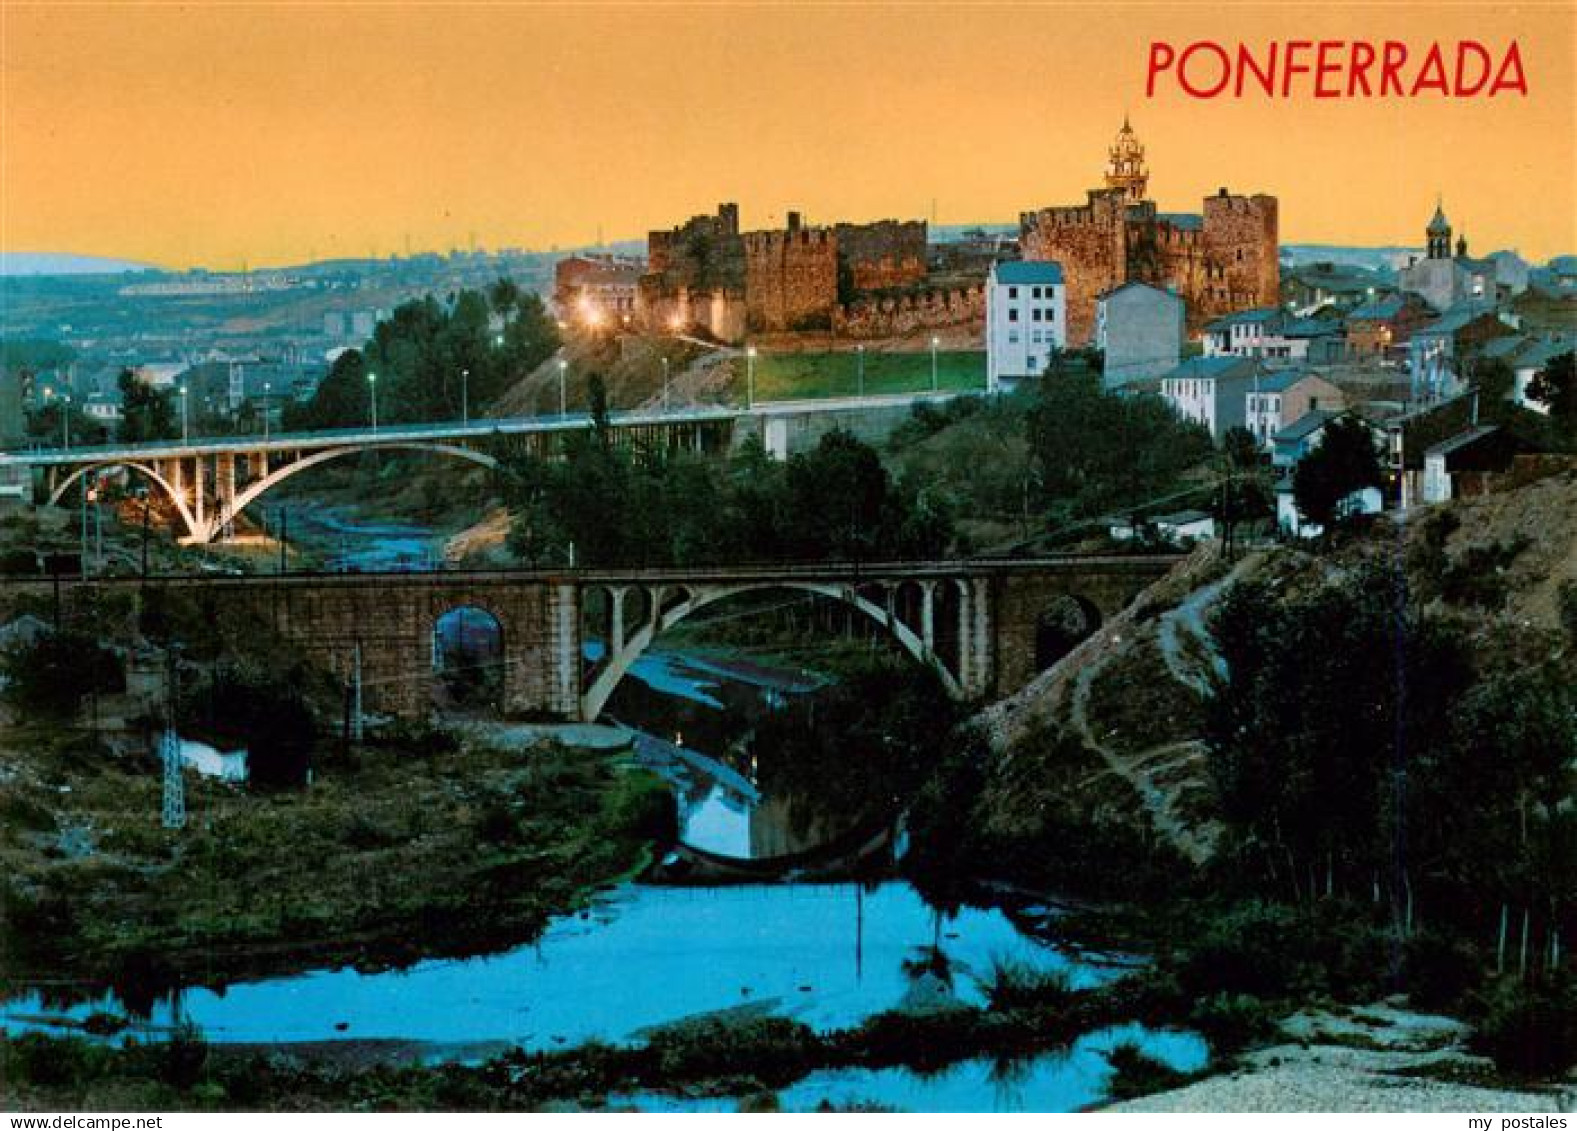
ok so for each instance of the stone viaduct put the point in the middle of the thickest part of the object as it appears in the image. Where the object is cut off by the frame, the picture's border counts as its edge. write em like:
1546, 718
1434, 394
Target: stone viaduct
985, 626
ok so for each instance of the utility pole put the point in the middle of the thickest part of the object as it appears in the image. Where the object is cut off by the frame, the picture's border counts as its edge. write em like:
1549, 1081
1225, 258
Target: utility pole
356, 725
83, 553
174, 802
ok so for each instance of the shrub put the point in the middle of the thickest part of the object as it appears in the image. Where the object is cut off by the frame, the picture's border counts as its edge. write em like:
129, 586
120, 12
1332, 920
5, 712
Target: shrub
642, 809
773, 1048
1233, 1021
1137, 1073
1530, 1029
1440, 969
1019, 985
183, 1057
50, 676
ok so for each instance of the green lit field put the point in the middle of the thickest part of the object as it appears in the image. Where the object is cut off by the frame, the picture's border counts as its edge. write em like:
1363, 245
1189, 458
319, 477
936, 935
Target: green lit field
793, 376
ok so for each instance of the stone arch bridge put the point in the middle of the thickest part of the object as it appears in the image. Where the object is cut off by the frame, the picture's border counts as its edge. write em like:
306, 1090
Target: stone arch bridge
981, 624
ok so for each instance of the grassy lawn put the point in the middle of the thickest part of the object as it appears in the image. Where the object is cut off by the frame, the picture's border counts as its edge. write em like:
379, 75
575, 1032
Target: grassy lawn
792, 376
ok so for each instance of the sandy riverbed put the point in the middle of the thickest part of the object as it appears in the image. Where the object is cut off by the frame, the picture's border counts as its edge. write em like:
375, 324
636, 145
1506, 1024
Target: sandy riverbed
1361, 1061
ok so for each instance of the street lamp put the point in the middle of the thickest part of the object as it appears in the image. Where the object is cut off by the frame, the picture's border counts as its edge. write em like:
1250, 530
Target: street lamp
563, 388
935, 341
665, 384
465, 396
267, 389
860, 351
750, 377
372, 390
186, 430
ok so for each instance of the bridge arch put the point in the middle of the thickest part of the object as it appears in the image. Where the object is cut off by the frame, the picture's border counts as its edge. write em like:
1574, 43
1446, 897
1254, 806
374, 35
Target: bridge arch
255, 490
143, 469
666, 616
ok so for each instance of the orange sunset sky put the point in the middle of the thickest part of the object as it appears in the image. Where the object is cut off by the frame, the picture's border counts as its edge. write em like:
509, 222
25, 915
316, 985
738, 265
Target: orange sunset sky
226, 134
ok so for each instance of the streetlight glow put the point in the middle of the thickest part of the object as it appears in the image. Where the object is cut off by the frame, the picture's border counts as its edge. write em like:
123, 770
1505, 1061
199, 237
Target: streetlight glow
750, 377
935, 341
185, 417
372, 390
563, 389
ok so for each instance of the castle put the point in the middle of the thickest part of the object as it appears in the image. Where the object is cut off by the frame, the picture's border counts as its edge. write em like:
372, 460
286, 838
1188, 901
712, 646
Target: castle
707, 274
1221, 261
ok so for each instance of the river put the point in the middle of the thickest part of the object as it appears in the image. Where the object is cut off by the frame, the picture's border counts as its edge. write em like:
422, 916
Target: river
643, 955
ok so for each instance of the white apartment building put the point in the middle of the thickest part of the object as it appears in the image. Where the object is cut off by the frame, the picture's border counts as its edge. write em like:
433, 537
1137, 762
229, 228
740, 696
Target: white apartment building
1026, 320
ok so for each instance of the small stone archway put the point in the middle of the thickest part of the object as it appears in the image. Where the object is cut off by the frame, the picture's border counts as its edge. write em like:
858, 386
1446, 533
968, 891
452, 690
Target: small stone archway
672, 604
469, 658
1065, 623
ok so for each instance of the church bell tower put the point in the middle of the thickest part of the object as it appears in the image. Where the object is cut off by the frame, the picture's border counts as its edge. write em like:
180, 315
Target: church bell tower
1127, 171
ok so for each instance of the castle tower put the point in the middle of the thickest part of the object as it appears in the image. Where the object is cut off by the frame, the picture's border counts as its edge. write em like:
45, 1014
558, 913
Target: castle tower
1127, 171
1438, 235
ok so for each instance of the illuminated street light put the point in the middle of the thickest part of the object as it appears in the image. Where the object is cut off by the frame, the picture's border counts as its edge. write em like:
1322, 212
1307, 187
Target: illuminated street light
563, 391
267, 388
372, 391
465, 396
665, 384
185, 417
750, 377
935, 341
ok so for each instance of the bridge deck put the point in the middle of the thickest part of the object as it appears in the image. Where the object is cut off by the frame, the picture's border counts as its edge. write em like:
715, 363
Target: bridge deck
396, 434
844, 571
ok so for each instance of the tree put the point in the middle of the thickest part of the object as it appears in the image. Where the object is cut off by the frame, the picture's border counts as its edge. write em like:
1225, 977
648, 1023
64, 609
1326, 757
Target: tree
437, 361
1240, 448
1555, 386
1326, 696
51, 676
342, 399
1344, 462
146, 413
1093, 450
503, 295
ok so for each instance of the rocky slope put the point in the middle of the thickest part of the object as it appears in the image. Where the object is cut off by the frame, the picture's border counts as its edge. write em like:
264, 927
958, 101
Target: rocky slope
1133, 694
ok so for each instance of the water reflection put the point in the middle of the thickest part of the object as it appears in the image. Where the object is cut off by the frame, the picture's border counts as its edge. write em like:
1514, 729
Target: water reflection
1062, 1080
829, 954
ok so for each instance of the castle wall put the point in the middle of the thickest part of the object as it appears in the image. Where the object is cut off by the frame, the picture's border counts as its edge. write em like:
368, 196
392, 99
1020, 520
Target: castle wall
896, 316
1088, 241
1224, 262
791, 278
884, 255
1241, 238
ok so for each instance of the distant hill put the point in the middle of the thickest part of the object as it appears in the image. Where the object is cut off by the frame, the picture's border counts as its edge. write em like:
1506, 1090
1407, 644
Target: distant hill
1372, 258
57, 263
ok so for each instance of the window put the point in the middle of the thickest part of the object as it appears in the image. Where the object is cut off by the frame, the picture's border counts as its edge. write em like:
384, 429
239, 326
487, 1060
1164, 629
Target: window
1314, 404
1034, 292
1034, 314
1012, 314
1012, 292
1013, 337
1032, 365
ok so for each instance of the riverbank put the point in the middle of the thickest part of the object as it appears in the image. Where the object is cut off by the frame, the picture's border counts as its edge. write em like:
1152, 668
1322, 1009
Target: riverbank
1380, 1058
723, 1058
419, 845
